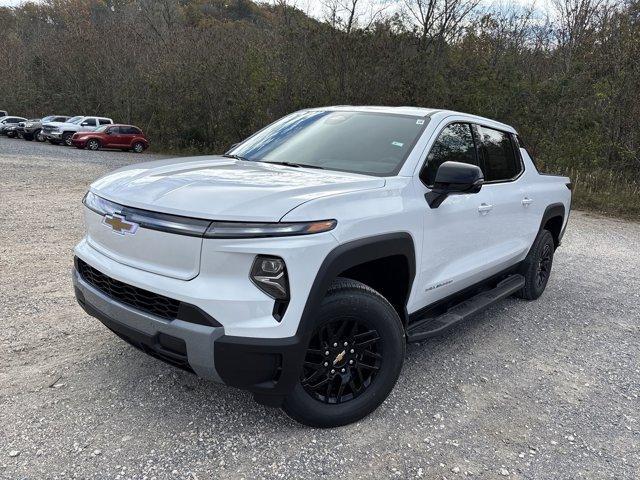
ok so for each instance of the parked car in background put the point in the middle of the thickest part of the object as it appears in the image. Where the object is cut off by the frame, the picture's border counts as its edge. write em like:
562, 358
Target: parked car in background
18, 130
124, 137
7, 121
32, 129
3, 113
57, 132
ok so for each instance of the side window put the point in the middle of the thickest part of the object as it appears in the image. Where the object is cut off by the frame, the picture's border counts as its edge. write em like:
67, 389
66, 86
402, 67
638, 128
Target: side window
498, 155
455, 144
89, 122
114, 130
104, 121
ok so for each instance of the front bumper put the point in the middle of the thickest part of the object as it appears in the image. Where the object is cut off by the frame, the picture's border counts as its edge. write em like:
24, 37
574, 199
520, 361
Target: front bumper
53, 135
184, 344
266, 367
78, 143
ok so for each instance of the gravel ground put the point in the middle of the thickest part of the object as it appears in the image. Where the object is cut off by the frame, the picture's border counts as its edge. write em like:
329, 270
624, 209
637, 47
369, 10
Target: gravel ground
528, 390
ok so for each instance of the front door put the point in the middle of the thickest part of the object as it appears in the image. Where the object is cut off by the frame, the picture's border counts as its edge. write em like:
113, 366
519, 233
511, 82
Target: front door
457, 236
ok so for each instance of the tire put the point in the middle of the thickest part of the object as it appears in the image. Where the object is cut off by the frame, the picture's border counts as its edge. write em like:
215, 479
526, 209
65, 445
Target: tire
11, 134
536, 267
66, 138
40, 136
349, 383
93, 144
138, 147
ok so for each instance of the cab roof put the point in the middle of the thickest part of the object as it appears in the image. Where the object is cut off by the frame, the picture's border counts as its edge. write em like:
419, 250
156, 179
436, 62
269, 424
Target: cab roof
418, 112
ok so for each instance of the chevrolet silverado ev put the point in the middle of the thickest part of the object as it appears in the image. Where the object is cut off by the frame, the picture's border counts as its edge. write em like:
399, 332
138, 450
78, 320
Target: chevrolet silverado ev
299, 264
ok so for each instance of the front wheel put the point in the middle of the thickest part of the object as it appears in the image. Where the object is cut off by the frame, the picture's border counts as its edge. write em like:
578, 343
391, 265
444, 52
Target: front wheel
40, 136
353, 359
66, 138
93, 144
536, 268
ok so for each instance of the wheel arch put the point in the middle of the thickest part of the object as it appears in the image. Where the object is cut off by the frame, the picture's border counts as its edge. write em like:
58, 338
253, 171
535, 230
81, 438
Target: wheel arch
355, 260
553, 220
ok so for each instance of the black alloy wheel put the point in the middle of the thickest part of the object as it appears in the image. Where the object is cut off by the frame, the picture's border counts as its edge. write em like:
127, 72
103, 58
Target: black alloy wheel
536, 267
353, 358
544, 265
342, 360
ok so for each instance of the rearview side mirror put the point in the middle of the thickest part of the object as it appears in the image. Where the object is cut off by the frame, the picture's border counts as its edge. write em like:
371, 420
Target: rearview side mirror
454, 178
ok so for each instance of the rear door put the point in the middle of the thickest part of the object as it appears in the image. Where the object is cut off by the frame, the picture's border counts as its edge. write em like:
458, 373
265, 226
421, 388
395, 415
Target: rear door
509, 222
128, 134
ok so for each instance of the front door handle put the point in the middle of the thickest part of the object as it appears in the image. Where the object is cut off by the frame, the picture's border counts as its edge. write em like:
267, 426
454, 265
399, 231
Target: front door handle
484, 208
526, 201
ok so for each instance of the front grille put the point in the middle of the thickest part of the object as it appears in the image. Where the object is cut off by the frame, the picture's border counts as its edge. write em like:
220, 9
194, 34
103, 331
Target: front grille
128, 294
48, 128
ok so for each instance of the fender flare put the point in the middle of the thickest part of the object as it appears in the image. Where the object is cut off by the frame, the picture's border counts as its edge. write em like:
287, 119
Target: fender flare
349, 255
552, 211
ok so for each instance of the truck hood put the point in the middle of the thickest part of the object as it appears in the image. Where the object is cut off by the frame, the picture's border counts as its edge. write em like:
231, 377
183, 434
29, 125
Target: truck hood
220, 188
61, 124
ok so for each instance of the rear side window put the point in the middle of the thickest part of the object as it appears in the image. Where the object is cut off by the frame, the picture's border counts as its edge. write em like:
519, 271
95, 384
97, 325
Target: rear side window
454, 144
129, 130
499, 158
103, 121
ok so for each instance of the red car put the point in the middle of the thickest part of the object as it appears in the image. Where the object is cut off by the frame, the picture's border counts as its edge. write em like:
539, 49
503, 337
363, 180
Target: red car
124, 137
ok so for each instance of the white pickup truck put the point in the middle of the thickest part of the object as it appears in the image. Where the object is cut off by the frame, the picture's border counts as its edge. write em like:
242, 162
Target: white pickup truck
299, 264
61, 132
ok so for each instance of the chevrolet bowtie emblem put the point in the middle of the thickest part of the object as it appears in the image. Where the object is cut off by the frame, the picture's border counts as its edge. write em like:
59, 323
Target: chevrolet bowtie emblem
119, 225
339, 357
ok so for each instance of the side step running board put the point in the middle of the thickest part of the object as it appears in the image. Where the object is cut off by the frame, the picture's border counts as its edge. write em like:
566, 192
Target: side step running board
432, 326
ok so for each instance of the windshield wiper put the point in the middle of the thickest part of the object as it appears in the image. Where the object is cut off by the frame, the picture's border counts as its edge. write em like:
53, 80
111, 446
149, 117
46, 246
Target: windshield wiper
236, 157
297, 165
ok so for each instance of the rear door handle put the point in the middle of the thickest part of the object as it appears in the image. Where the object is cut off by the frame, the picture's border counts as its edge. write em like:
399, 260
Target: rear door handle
484, 208
527, 201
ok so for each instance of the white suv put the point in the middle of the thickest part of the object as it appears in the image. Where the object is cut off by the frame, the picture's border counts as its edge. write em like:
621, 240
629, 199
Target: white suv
299, 264
61, 132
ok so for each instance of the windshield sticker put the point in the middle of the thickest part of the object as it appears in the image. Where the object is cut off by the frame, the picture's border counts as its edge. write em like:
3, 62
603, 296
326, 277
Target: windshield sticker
420, 122
397, 144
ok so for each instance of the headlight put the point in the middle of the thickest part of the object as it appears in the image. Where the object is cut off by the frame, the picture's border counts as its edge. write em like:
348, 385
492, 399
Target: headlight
269, 274
28, 125
259, 230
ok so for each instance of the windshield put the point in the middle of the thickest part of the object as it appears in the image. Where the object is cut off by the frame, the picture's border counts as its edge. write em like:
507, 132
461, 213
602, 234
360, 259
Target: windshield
74, 119
359, 142
48, 119
103, 128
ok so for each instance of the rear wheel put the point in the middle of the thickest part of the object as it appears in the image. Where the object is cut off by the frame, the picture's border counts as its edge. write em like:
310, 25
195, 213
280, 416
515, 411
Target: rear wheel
536, 268
138, 147
93, 144
353, 359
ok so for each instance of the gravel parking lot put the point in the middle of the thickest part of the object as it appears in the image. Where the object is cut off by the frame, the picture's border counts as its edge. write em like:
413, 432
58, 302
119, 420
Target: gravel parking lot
542, 390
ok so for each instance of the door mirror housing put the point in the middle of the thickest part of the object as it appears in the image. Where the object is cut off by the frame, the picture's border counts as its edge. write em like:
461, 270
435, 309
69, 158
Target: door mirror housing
454, 178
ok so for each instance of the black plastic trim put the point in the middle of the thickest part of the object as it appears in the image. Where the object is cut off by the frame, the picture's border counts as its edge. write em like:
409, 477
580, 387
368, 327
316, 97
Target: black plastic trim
185, 311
